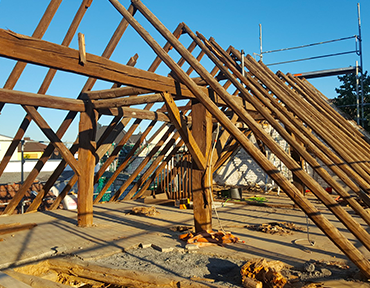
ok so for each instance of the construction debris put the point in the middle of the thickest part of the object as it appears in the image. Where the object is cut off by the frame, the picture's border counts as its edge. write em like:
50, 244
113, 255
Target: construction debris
258, 273
144, 211
281, 228
208, 238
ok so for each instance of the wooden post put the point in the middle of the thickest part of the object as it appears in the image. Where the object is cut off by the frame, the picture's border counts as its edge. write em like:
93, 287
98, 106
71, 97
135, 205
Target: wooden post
202, 179
86, 159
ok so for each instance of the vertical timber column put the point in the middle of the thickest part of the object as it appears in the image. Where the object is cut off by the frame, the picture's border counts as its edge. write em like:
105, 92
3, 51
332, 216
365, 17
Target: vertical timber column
201, 184
86, 159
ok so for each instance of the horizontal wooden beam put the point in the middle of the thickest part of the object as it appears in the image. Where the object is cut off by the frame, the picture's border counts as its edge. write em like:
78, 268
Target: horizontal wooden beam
40, 100
32, 50
116, 92
135, 113
127, 101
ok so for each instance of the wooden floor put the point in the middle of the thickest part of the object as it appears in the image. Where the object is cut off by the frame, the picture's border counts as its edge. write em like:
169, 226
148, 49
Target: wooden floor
115, 230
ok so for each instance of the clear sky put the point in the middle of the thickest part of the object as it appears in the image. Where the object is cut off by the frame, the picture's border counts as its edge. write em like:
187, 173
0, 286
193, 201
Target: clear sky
284, 24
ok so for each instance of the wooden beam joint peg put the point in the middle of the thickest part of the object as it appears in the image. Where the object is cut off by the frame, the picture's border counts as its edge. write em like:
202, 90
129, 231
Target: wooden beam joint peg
81, 48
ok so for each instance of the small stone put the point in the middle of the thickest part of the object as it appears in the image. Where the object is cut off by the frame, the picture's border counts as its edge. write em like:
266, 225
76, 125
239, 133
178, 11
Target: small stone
191, 247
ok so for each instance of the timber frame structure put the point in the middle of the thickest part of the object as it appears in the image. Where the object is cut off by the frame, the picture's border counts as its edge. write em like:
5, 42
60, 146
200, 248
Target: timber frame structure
293, 107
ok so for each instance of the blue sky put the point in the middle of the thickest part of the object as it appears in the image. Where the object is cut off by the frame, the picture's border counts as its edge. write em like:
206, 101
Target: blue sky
284, 23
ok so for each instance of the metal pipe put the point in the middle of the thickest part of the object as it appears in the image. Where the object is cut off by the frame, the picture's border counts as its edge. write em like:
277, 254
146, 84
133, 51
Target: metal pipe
243, 71
22, 160
361, 64
357, 96
308, 45
261, 56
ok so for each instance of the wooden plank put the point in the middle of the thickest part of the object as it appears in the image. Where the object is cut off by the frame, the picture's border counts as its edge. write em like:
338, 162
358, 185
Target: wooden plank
329, 229
116, 92
186, 135
86, 160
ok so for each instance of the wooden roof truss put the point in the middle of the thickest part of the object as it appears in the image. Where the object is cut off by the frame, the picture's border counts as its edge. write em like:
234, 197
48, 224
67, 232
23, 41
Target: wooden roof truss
292, 106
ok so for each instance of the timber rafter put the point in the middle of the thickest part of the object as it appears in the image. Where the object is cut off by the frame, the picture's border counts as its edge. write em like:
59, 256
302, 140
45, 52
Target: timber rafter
294, 108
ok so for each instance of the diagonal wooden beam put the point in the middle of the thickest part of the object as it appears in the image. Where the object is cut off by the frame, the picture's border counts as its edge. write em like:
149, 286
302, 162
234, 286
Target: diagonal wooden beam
327, 227
151, 168
63, 58
45, 84
52, 55
49, 133
186, 135
38, 33
67, 120
142, 165
157, 170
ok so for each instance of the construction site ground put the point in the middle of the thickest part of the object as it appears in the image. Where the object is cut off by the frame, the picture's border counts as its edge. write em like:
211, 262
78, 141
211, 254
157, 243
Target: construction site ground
125, 241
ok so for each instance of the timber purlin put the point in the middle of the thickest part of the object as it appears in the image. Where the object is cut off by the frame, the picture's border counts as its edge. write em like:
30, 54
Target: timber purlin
181, 159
